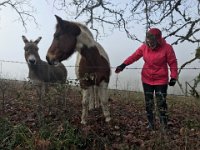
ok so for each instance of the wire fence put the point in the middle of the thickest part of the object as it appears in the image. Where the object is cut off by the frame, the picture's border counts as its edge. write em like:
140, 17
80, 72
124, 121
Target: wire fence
39, 106
129, 80
112, 67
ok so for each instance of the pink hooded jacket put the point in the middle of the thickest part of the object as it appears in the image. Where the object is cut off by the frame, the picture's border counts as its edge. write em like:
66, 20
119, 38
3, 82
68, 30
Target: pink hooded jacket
156, 62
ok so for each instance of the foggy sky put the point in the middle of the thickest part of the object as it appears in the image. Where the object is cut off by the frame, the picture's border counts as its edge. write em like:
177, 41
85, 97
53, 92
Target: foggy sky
117, 45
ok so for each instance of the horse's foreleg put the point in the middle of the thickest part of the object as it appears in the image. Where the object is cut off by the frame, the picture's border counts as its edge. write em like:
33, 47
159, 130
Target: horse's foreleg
85, 103
103, 94
92, 98
96, 97
94, 101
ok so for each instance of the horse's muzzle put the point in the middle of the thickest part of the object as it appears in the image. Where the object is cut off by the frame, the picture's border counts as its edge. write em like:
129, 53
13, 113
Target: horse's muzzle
51, 62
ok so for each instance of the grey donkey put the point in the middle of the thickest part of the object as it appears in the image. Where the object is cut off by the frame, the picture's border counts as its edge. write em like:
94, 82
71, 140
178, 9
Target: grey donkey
39, 70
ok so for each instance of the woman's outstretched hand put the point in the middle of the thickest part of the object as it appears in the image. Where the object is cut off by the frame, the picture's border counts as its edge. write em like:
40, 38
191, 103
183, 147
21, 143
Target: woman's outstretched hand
120, 68
172, 82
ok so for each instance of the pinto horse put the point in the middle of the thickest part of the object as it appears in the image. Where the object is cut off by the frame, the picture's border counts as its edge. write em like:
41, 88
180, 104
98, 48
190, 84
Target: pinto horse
92, 64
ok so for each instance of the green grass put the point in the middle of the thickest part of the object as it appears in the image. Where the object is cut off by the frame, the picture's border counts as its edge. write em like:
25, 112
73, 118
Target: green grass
15, 136
20, 137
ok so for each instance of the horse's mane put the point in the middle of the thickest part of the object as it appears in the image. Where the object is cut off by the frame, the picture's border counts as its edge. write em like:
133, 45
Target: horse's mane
85, 28
86, 31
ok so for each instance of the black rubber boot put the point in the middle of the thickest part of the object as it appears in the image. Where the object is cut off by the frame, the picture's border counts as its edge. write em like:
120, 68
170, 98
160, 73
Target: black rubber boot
162, 110
163, 121
151, 124
149, 104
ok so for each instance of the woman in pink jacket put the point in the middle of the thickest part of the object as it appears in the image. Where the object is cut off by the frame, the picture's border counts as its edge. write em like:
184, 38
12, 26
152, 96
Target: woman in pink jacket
157, 55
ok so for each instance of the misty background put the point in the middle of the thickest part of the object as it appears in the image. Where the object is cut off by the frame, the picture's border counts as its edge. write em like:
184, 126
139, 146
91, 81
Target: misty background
116, 43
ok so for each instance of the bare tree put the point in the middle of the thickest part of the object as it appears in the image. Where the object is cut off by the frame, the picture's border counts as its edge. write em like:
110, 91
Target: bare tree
178, 18
22, 8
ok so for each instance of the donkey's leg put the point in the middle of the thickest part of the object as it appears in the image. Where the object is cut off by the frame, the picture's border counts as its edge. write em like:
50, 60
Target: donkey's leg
103, 94
40, 88
44, 92
85, 103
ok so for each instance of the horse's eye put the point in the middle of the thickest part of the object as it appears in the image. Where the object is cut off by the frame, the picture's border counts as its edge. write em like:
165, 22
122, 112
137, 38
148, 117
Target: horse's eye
56, 35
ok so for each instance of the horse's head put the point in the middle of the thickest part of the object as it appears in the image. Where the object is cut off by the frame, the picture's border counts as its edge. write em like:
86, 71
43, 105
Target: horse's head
31, 50
64, 41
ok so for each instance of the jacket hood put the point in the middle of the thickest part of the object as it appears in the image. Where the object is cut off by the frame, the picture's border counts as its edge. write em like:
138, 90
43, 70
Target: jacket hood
157, 33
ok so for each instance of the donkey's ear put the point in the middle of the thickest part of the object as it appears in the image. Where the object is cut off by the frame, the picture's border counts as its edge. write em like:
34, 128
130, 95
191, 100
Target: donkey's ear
59, 21
38, 40
24, 39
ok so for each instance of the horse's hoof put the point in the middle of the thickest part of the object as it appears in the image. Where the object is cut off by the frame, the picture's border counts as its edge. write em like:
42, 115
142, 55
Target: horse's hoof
108, 119
97, 106
83, 122
91, 107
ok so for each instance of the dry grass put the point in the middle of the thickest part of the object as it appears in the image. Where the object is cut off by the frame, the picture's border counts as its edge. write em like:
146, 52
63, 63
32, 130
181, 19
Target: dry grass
53, 122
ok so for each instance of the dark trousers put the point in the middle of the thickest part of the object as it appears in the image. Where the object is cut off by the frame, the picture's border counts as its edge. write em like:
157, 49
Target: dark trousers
160, 92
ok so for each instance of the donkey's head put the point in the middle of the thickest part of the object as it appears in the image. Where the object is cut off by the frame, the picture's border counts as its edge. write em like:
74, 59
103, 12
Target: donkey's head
31, 50
64, 41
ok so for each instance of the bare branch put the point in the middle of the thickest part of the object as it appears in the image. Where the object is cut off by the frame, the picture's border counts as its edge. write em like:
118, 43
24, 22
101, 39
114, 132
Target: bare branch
23, 9
172, 16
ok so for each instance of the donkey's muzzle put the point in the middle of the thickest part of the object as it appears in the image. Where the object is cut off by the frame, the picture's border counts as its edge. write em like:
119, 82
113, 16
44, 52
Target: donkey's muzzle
31, 61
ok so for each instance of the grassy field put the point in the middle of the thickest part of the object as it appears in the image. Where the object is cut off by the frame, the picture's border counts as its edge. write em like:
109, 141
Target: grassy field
29, 121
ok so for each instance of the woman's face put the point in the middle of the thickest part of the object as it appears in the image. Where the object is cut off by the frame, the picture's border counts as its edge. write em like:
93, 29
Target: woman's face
151, 41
